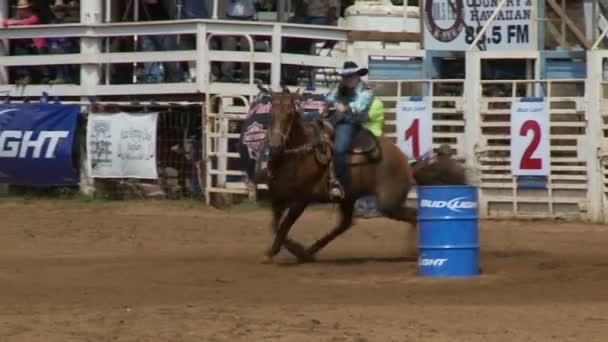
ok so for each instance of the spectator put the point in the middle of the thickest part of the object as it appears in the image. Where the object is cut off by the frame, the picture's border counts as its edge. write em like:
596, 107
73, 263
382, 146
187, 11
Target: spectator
238, 10
366, 206
42, 8
149, 11
290, 73
73, 10
192, 9
319, 12
26, 15
63, 73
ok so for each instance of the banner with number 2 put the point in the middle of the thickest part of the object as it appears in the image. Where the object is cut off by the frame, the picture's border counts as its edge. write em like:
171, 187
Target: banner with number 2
414, 128
530, 151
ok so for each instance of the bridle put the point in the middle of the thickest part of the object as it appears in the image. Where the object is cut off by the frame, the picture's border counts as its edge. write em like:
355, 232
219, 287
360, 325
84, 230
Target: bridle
293, 106
281, 105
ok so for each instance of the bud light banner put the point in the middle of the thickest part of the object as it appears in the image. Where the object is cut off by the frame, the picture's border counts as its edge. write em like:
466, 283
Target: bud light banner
36, 144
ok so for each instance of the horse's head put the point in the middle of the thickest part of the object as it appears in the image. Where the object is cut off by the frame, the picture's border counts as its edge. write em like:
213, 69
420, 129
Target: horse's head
283, 115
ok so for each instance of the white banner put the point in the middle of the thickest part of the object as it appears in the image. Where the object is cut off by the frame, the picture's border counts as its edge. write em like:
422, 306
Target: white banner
122, 145
530, 143
414, 128
454, 24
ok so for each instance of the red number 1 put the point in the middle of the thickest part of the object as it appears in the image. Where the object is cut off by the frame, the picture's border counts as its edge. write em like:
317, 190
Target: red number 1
414, 132
527, 162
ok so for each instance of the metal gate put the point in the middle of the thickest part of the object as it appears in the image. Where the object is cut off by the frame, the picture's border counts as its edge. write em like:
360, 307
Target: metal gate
221, 126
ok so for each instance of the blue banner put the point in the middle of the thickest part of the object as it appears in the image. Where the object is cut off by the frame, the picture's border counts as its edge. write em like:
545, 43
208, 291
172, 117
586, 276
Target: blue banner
36, 144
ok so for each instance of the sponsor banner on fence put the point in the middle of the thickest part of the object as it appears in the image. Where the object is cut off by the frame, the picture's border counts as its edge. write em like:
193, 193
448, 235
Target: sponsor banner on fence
36, 144
414, 128
530, 150
254, 135
454, 24
122, 145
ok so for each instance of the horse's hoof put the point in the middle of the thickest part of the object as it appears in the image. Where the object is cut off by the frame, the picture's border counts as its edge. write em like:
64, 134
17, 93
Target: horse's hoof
267, 260
306, 258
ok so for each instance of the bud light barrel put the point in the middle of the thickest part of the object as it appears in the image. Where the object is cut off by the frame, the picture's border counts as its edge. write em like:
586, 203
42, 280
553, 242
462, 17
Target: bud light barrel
448, 240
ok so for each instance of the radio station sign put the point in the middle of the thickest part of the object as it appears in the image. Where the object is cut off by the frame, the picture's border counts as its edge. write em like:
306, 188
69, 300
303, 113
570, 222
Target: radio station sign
454, 24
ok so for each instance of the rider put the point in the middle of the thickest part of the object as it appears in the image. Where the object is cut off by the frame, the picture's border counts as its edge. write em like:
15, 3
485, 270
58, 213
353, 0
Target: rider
352, 99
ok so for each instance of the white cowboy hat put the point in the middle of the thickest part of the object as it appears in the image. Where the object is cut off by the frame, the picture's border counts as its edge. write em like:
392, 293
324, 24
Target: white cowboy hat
24, 4
351, 68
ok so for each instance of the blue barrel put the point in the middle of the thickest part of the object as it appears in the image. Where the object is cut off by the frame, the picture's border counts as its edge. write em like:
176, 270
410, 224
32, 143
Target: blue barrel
448, 243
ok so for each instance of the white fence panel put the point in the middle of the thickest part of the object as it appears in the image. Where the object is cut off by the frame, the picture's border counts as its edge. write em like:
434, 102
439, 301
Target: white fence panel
598, 99
566, 193
445, 98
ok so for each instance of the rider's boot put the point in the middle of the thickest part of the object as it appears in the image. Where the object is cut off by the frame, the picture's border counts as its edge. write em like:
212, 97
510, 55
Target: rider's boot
336, 192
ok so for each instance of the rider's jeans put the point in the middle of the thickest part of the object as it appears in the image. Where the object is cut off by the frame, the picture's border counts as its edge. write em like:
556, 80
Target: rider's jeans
345, 133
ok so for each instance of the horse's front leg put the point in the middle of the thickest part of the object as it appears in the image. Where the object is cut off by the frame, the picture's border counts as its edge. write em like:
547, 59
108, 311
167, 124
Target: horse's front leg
295, 248
281, 229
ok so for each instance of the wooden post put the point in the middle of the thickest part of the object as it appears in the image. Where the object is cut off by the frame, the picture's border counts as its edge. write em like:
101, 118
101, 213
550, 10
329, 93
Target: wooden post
563, 16
593, 95
90, 13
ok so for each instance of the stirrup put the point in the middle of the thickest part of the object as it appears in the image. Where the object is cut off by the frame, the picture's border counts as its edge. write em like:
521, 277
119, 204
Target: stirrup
336, 192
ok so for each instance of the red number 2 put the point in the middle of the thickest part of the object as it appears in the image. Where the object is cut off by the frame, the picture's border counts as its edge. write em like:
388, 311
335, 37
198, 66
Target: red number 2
414, 132
527, 162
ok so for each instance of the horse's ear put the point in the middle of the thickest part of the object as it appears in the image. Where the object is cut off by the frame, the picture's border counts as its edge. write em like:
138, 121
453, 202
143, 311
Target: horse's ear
285, 88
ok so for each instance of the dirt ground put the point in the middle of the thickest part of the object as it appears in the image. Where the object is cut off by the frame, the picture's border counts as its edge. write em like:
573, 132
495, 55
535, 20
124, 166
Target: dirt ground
175, 271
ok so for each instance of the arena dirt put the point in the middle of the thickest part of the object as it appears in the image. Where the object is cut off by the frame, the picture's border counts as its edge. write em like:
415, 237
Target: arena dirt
175, 271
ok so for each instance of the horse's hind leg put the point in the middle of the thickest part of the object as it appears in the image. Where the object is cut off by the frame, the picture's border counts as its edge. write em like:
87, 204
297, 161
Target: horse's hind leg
404, 214
282, 228
394, 210
346, 221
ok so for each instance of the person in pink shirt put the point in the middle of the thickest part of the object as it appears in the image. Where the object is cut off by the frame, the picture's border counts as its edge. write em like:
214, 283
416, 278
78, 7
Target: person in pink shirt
26, 15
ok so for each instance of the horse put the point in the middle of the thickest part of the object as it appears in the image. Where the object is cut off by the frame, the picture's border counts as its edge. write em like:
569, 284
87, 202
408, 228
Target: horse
300, 165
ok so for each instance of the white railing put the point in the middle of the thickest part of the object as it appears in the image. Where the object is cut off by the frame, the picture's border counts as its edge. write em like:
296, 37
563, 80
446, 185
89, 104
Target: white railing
92, 55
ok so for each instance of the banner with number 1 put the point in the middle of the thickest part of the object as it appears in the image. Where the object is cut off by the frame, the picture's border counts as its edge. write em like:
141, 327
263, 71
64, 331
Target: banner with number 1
530, 151
414, 128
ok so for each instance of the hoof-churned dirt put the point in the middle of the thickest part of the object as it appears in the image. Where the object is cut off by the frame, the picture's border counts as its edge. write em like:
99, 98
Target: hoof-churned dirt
150, 271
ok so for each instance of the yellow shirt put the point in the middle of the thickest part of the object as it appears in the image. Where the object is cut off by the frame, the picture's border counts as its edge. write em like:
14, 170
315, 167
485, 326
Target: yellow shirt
375, 121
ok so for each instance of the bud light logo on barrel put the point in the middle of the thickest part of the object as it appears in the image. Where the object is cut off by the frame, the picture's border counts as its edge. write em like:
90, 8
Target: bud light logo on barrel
456, 204
432, 262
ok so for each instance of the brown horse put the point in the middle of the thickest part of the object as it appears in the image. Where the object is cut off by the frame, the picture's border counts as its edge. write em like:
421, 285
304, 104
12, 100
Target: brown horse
300, 168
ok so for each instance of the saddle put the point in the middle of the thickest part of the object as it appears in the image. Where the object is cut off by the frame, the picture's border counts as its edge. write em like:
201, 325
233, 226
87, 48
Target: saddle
364, 149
